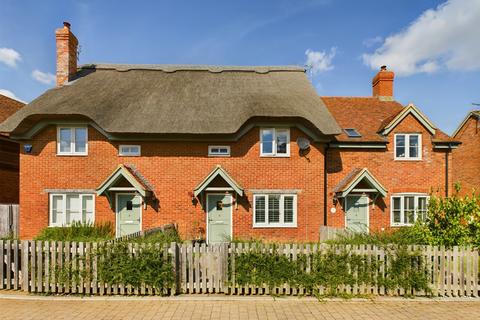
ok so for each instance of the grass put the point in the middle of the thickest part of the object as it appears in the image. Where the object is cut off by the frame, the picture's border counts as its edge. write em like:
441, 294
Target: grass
78, 232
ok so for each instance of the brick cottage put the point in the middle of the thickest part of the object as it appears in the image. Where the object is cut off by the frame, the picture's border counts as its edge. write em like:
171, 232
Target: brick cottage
467, 157
223, 152
9, 155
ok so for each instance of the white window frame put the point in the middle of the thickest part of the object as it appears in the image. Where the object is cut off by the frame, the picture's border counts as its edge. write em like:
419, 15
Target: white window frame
402, 208
72, 151
64, 209
407, 146
280, 224
213, 154
274, 143
129, 154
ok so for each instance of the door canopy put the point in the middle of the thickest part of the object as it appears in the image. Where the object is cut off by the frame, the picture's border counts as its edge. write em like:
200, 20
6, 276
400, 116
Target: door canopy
210, 183
125, 178
359, 181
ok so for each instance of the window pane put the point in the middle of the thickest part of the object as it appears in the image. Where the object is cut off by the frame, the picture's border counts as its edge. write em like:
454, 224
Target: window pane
57, 210
400, 146
422, 208
282, 141
413, 146
397, 210
260, 209
87, 209
288, 209
80, 139
273, 209
73, 208
267, 141
65, 139
409, 209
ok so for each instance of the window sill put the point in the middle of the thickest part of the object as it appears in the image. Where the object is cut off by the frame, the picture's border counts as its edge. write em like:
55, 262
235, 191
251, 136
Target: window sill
407, 159
274, 226
401, 225
72, 154
219, 155
129, 155
274, 156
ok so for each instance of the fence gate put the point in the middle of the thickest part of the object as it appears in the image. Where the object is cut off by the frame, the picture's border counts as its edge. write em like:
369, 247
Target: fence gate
203, 269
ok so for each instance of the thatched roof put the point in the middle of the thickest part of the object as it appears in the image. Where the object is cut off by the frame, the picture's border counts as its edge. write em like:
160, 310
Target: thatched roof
172, 99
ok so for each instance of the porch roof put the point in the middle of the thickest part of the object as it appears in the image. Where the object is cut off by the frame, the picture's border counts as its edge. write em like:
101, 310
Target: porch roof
357, 175
129, 173
218, 171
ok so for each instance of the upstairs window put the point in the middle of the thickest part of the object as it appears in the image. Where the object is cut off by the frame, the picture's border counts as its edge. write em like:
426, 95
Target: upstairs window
408, 146
72, 141
408, 208
219, 151
275, 210
275, 142
129, 150
67, 208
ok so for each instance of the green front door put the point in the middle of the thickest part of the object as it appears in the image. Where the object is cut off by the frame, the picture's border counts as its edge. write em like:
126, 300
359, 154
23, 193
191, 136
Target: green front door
219, 218
357, 213
129, 210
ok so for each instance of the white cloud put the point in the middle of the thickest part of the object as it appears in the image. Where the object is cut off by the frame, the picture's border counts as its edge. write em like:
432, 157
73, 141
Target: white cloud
9, 94
320, 61
446, 37
43, 77
370, 42
9, 56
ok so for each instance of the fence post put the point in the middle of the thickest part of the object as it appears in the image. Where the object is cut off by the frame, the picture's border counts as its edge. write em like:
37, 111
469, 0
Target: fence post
176, 268
25, 266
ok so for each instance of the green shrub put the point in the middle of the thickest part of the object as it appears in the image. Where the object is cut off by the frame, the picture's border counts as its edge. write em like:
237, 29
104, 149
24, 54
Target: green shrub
78, 232
331, 269
167, 236
117, 264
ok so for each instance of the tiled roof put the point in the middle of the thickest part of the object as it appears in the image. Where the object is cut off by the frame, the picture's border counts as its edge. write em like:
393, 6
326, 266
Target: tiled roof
368, 115
8, 106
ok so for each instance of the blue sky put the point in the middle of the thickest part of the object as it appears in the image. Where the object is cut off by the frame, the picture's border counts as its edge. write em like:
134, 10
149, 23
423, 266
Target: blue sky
432, 45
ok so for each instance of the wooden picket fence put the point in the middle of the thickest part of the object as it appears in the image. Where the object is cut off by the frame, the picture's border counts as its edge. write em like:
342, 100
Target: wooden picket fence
206, 269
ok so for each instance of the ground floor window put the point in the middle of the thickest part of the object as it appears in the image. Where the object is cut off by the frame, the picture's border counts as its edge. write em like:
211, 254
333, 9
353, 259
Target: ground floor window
67, 208
275, 210
408, 208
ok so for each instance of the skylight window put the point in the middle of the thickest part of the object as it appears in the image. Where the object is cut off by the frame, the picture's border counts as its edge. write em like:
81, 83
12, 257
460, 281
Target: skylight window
352, 133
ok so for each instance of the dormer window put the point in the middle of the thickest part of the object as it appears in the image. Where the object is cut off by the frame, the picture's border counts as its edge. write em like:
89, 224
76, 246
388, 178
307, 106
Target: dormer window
72, 141
408, 146
352, 133
275, 142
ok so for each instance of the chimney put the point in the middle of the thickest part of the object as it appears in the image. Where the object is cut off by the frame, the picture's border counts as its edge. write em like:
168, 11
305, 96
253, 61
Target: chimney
382, 84
67, 45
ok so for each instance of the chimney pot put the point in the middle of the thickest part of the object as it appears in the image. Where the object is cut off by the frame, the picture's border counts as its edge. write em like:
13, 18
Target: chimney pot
382, 84
67, 24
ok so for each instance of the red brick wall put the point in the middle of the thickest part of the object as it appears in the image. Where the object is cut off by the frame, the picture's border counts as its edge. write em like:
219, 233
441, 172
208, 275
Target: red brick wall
174, 169
466, 159
396, 176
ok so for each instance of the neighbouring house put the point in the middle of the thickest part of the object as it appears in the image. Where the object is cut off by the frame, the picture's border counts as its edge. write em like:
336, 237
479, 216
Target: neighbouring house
9, 155
222, 151
467, 157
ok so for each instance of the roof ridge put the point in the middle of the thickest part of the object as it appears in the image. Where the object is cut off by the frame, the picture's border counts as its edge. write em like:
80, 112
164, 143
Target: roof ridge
192, 67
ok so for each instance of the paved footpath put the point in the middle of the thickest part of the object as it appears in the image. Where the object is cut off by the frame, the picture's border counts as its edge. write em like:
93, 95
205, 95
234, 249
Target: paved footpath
30, 307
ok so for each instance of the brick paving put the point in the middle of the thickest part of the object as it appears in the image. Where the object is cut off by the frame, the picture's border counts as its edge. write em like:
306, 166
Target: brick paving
235, 309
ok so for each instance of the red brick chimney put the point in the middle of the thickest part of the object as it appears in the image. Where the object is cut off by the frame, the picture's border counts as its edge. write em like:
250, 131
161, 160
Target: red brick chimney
382, 84
67, 45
